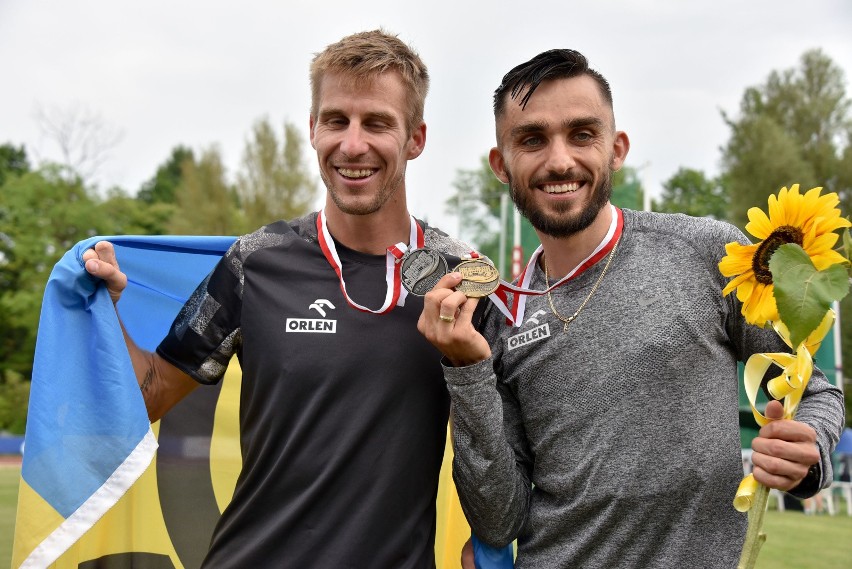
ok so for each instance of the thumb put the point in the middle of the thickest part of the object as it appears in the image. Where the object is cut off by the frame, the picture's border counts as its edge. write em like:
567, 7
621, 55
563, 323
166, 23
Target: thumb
774, 411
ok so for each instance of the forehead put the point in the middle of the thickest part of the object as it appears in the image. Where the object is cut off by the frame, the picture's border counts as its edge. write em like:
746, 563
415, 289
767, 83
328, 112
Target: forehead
557, 101
383, 92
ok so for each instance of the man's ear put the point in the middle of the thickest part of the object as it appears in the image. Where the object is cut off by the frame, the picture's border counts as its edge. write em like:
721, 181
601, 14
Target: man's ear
417, 142
498, 165
311, 125
620, 148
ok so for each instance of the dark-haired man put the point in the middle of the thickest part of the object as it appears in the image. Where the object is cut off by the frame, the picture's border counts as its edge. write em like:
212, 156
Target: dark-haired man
611, 439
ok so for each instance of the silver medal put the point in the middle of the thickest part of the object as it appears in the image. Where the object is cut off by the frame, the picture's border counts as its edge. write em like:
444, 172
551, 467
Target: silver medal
421, 270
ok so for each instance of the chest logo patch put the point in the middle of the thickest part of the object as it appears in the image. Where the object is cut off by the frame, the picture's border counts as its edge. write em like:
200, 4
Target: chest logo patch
529, 336
322, 325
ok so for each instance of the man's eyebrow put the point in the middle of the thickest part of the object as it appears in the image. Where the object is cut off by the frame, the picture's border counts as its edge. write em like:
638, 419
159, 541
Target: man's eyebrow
528, 128
583, 121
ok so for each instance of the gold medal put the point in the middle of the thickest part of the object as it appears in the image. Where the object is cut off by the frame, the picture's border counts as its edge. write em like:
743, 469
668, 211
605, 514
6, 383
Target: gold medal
479, 277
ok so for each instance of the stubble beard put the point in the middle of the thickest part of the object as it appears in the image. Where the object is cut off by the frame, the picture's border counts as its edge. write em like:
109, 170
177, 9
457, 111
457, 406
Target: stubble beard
356, 206
559, 223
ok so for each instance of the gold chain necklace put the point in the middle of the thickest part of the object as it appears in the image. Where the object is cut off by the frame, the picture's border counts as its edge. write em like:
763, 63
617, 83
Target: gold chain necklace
571, 318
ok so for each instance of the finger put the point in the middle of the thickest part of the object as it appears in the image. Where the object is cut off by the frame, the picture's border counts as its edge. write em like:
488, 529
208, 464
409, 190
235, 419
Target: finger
778, 481
106, 252
101, 262
774, 410
802, 452
787, 430
450, 306
448, 281
466, 310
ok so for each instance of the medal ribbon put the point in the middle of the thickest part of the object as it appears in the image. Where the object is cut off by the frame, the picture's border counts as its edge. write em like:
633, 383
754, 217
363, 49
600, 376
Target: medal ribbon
395, 295
788, 387
515, 315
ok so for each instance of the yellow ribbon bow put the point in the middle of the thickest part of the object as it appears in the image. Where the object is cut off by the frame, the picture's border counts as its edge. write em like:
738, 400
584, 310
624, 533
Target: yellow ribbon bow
788, 387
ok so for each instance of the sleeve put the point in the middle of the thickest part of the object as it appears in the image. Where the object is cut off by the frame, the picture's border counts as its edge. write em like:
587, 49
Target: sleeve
492, 467
206, 332
822, 405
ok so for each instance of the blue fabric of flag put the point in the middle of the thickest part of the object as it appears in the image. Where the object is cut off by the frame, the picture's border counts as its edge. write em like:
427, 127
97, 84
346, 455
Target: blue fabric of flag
86, 413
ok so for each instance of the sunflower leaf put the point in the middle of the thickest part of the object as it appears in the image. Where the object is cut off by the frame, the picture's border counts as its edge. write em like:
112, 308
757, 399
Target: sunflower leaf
847, 244
804, 294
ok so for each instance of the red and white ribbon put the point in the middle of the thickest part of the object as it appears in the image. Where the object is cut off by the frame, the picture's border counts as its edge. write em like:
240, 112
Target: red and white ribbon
515, 315
396, 294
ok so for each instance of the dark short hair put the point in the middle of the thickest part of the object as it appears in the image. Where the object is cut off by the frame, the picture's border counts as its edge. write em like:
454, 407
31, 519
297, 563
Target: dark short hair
523, 79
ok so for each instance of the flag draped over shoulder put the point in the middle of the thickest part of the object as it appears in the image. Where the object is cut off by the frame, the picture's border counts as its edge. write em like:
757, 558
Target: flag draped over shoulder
95, 491
88, 438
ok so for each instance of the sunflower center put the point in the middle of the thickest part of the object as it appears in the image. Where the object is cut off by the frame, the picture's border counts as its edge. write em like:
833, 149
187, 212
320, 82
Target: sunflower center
781, 236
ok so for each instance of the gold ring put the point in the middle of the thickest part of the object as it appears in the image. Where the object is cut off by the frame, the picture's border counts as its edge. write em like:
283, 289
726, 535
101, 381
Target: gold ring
446, 318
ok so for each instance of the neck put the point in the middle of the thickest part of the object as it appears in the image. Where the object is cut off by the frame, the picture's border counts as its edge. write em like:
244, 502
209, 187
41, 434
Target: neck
371, 233
565, 253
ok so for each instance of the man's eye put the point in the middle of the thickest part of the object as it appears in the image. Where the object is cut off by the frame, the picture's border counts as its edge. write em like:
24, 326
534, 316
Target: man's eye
531, 141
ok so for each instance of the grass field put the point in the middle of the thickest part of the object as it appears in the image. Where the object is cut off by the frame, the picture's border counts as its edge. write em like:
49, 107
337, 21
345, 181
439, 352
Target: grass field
795, 541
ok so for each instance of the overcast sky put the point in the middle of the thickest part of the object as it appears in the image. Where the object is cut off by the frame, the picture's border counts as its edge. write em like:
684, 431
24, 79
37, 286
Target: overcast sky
197, 73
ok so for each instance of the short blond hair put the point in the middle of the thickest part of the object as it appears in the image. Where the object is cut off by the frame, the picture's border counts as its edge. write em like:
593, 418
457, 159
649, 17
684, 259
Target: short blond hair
365, 55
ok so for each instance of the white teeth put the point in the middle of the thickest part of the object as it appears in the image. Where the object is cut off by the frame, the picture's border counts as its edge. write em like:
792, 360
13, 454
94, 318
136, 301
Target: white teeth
346, 172
562, 188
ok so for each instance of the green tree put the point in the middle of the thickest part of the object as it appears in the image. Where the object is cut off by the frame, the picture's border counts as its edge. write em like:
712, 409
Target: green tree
476, 203
794, 128
206, 203
42, 214
13, 162
161, 188
133, 216
691, 192
274, 181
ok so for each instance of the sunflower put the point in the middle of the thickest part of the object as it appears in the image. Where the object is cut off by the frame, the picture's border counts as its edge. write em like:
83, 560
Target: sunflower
808, 220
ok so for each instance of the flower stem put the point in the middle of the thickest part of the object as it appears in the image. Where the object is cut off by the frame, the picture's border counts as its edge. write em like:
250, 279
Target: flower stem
754, 536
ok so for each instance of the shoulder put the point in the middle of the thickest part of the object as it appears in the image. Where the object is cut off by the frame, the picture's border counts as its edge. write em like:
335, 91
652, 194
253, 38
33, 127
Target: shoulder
273, 235
705, 235
434, 238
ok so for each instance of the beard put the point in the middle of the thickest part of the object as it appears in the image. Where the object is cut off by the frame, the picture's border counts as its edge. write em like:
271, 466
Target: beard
559, 223
358, 205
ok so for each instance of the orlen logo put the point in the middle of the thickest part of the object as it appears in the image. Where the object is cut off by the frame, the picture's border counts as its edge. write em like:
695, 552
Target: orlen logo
314, 325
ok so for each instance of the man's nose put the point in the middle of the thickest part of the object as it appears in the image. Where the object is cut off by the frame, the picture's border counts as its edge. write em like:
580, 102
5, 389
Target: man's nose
560, 159
354, 141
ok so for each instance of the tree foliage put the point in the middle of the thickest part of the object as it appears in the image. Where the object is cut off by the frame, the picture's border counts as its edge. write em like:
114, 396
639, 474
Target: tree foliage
13, 161
41, 215
691, 192
794, 128
274, 182
206, 203
162, 187
476, 203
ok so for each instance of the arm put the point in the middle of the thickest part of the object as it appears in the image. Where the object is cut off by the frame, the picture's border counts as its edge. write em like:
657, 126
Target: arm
163, 385
492, 465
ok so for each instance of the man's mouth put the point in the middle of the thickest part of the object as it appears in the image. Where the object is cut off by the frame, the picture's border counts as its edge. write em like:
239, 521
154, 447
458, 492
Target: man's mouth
565, 188
355, 173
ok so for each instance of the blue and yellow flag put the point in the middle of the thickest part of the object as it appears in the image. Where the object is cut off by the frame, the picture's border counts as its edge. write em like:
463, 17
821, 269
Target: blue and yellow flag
95, 491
